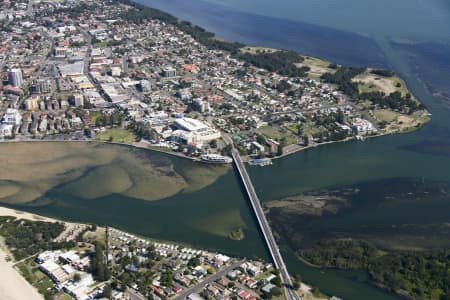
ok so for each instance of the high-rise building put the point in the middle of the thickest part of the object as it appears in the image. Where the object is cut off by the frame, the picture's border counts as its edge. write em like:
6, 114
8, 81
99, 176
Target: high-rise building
78, 100
41, 86
15, 77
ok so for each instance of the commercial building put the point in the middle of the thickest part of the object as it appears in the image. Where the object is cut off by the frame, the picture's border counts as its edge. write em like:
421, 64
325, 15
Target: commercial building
15, 77
169, 72
195, 132
78, 100
12, 116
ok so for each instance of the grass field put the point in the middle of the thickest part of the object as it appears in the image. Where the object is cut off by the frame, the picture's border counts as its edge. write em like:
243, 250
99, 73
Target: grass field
385, 115
278, 133
94, 116
116, 135
369, 82
30, 271
317, 66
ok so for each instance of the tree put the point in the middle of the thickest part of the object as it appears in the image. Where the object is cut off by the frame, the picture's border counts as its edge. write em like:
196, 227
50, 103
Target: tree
261, 139
98, 263
107, 291
306, 140
77, 277
213, 144
194, 262
277, 281
276, 291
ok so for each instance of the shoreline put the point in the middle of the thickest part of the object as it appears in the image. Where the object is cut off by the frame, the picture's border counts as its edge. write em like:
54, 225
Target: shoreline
13, 285
146, 146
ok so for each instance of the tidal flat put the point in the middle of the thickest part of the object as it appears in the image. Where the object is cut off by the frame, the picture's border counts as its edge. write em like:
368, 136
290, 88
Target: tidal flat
93, 170
393, 214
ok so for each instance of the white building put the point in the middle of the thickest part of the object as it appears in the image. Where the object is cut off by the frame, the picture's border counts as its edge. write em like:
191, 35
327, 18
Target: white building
12, 116
15, 77
6, 130
198, 132
169, 72
362, 126
78, 100
200, 105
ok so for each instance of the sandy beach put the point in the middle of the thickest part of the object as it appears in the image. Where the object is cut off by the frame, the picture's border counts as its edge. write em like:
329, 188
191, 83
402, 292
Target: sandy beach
24, 215
12, 285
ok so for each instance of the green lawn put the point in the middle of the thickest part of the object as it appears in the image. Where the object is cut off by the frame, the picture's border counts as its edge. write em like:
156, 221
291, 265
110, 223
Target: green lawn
30, 271
385, 115
118, 135
278, 133
94, 116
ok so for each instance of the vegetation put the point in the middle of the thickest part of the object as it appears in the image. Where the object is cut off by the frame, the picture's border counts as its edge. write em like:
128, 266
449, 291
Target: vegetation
237, 234
108, 120
25, 238
98, 263
343, 78
30, 271
117, 135
282, 62
395, 101
423, 275
384, 73
142, 130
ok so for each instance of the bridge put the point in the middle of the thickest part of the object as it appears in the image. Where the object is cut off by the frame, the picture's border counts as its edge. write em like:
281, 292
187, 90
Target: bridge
265, 228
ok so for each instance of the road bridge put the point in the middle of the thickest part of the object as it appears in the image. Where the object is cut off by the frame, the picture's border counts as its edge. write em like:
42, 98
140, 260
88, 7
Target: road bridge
264, 226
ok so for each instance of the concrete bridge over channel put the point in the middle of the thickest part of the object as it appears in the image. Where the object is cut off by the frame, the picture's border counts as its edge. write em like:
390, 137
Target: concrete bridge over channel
265, 228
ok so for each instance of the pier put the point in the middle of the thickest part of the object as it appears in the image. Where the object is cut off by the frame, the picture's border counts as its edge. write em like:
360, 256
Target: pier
277, 259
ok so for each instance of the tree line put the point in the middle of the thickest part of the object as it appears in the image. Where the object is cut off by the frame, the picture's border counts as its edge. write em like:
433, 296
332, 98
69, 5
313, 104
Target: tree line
422, 275
395, 100
25, 238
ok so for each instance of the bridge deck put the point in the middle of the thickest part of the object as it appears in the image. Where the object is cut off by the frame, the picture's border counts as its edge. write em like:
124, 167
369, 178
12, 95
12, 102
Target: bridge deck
264, 226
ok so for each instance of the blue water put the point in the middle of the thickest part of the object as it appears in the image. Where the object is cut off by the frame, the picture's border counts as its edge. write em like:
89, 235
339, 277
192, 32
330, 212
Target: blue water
409, 36
406, 19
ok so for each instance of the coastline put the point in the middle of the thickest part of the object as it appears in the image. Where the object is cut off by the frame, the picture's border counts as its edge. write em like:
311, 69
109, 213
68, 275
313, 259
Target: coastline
146, 146
13, 285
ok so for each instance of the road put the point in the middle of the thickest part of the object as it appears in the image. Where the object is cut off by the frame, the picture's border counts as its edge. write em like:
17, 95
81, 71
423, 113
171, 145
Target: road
290, 294
184, 294
134, 295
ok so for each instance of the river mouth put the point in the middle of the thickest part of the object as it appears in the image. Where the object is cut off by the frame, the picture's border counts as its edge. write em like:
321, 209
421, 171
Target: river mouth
393, 214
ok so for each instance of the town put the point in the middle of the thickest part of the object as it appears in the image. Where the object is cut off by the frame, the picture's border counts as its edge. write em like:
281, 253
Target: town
96, 70
82, 261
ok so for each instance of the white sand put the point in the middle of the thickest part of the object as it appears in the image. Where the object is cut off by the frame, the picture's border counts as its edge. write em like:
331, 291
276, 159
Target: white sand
12, 285
24, 215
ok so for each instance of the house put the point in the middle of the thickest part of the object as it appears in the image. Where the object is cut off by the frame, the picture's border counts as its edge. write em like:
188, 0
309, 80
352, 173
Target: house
243, 294
268, 288
195, 296
273, 145
6, 130
12, 116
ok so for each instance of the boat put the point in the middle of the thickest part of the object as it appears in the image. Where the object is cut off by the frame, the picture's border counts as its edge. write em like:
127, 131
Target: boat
216, 159
260, 162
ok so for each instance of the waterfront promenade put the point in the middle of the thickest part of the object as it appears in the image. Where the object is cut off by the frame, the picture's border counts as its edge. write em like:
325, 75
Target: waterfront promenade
265, 228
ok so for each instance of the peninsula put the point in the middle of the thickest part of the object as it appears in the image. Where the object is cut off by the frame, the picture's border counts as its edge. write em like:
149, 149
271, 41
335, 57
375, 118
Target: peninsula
118, 71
